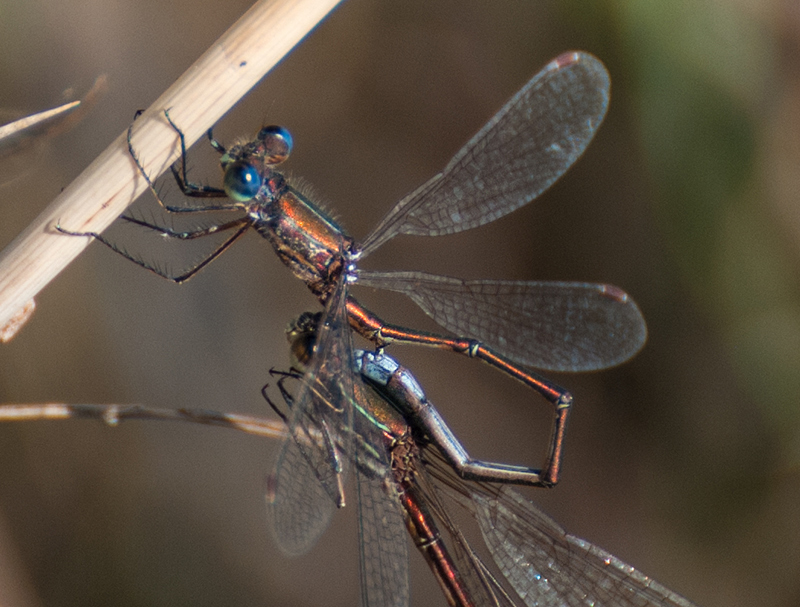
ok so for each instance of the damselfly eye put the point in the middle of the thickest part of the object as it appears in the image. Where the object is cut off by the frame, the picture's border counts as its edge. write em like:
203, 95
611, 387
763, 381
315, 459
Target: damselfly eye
277, 143
242, 181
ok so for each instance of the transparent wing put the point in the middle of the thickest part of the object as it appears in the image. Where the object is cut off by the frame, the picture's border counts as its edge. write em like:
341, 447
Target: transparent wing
300, 509
548, 567
545, 566
382, 533
518, 154
558, 326
480, 585
312, 463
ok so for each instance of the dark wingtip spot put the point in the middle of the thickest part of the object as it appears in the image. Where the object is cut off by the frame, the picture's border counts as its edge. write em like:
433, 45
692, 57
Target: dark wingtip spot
614, 293
566, 59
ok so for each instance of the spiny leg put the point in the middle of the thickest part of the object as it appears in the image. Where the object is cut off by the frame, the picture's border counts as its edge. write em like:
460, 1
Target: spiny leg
189, 189
287, 396
241, 225
188, 234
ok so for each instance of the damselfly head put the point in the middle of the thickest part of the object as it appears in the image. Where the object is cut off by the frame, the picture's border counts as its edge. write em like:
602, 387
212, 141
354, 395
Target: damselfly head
242, 181
302, 336
276, 144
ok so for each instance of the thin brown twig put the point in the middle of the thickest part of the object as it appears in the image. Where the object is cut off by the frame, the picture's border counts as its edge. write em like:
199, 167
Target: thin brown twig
112, 415
18, 126
197, 100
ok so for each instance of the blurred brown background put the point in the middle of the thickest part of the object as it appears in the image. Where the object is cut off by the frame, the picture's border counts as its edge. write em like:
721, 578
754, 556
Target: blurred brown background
683, 462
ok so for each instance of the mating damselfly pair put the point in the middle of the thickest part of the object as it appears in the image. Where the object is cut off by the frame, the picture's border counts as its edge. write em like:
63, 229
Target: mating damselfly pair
510, 325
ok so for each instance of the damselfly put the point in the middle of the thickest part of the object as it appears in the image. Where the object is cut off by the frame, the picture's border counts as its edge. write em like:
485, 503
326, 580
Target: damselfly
519, 153
409, 465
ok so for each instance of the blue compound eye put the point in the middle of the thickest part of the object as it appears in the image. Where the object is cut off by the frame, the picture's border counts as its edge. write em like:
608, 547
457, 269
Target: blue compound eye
277, 142
242, 181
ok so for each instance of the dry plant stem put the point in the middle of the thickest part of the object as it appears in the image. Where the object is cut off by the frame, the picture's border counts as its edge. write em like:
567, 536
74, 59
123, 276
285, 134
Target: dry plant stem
208, 89
14, 128
17, 321
114, 414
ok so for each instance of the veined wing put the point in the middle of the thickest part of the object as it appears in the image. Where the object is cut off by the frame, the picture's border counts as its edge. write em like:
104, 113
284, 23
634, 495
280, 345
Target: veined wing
557, 326
312, 464
545, 566
298, 507
482, 588
548, 567
523, 150
383, 541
